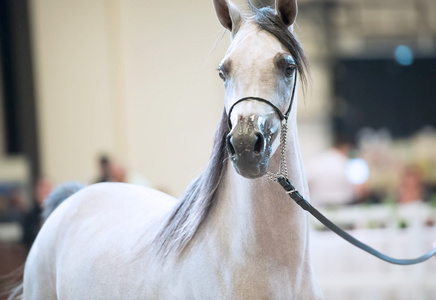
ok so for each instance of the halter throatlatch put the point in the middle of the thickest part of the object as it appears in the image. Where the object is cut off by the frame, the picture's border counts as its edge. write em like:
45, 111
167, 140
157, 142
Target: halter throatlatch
282, 178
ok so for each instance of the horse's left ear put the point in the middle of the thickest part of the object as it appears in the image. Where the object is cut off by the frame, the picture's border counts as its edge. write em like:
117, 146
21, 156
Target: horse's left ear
287, 11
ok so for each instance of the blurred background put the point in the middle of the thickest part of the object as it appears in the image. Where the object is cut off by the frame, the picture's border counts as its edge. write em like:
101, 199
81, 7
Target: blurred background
127, 90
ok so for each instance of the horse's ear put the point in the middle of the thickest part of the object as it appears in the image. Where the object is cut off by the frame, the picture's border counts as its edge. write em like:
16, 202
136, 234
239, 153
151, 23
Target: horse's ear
228, 14
287, 11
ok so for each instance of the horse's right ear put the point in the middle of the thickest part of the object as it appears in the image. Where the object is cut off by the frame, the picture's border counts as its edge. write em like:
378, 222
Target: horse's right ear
228, 14
287, 11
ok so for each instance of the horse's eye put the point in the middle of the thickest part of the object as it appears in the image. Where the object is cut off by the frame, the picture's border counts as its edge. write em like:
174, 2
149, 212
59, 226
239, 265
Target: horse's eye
221, 74
290, 70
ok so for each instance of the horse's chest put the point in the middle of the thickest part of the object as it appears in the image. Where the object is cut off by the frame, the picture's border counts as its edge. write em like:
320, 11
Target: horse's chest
227, 279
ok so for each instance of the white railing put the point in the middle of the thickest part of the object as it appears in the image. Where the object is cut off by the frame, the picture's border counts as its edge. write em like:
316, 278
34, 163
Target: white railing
346, 272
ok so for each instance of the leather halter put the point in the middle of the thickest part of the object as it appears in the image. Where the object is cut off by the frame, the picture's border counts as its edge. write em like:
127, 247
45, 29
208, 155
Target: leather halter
282, 116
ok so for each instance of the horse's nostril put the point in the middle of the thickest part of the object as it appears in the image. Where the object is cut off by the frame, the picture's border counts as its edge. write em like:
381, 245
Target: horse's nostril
230, 147
258, 145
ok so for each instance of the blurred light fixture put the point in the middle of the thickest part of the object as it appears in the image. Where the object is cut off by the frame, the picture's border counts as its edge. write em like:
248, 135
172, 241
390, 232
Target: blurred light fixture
403, 55
357, 171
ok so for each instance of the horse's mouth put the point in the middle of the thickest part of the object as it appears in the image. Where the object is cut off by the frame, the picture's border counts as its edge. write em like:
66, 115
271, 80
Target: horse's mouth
248, 168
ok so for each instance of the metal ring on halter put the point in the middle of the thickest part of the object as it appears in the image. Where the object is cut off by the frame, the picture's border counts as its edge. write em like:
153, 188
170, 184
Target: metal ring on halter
280, 114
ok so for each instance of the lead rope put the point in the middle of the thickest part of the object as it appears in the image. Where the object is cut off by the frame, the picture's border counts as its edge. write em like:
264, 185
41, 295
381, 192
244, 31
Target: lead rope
282, 178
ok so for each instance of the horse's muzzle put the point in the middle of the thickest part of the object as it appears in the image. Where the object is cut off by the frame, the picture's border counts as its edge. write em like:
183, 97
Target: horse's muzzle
249, 146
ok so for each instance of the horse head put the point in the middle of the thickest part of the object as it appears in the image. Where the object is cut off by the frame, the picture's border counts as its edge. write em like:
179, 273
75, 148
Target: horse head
259, 74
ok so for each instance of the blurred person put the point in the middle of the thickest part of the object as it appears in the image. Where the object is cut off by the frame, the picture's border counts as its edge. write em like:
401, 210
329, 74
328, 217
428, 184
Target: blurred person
104, 166
32, 221
118, 173
113, 171
326, 175
411, 188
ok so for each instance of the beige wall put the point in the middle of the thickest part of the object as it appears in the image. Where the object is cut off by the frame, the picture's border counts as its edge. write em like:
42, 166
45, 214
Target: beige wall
135, 79
174, 91
73, 85
131, 78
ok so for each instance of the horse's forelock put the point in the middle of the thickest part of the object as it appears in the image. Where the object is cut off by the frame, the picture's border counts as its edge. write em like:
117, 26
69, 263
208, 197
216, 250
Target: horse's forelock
268, 20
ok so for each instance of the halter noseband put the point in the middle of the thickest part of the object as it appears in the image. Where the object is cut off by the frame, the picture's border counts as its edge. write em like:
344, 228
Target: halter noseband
278, 111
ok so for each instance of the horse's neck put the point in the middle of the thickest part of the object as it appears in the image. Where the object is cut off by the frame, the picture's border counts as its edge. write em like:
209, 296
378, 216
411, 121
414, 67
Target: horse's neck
259, 218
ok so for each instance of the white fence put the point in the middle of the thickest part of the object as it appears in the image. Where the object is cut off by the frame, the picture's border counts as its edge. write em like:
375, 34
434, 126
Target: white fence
346, 272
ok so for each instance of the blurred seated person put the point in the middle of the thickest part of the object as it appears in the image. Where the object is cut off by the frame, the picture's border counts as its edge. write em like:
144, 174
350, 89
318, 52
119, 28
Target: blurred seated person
326, 175
411, 188
113, 171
